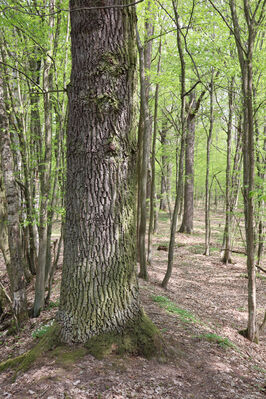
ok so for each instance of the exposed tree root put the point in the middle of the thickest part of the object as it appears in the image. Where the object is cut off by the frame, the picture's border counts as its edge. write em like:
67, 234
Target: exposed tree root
138, 338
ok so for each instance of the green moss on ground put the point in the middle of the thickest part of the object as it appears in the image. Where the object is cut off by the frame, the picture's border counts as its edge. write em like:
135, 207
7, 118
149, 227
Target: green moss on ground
24, 362
66, 356
139, 338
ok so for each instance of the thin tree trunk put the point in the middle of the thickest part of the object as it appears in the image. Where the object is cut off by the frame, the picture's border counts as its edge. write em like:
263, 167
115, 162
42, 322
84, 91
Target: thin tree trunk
226, 253
144, 165
245, 60
16, 270
152, 197
187, 221
45, 175
179, 183
207, 194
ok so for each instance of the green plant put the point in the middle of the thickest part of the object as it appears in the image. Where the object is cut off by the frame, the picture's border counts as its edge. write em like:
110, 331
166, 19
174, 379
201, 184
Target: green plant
52, 304
42, 330
217, 339
171, 307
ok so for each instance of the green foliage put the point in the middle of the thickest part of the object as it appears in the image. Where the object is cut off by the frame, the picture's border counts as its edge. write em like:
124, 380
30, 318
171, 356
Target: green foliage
52, 305
184, 315
42, 330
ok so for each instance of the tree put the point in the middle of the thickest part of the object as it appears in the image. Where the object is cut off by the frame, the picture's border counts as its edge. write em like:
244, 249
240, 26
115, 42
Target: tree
245, 24
99, 291
15, 267
245, 47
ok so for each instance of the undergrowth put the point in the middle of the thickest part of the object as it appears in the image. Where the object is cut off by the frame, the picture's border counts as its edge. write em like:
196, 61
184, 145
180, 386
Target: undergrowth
217, 339
171, 307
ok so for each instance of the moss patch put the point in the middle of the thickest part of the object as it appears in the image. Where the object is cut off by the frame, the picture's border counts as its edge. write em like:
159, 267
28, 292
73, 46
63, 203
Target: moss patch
66, 356
24, 362
139, 338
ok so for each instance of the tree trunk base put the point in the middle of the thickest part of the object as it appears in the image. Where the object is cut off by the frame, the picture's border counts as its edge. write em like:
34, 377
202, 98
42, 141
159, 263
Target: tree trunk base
140, 337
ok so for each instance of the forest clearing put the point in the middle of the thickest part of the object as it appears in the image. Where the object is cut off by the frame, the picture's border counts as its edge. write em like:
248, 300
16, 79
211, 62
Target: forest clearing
207, 357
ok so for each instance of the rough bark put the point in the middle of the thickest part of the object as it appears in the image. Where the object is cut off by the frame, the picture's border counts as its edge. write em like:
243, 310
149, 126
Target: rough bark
187, 221
99, 291
16, 269
3, 223
45, 174
142, 181
245, 56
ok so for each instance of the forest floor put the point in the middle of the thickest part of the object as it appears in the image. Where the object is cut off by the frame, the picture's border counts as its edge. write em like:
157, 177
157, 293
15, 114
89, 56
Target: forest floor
199, 317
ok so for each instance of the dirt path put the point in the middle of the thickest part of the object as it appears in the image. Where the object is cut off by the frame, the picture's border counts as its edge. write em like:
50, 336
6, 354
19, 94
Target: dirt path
208, 359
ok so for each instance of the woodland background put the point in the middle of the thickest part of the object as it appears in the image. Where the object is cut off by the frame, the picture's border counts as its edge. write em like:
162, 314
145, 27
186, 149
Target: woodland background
201, 137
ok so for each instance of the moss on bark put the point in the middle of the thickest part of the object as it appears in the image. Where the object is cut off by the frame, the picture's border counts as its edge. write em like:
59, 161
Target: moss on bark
140, 337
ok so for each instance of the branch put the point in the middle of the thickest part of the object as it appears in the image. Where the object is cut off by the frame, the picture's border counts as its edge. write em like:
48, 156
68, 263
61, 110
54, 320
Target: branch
23, 73
106, 7
169, 15
192, 88
261, 268
72, 10
6, 294
228, 26
190, 18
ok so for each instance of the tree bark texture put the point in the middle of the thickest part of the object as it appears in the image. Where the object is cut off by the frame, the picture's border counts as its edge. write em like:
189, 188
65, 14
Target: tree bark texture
16, 270
45, 174
142, 181
99, 291
187, 221
226, 258
152, 195
3, 223
245, 56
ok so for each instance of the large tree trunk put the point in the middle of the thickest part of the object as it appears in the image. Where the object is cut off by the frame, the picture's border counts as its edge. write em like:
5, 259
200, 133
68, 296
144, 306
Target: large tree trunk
99, 291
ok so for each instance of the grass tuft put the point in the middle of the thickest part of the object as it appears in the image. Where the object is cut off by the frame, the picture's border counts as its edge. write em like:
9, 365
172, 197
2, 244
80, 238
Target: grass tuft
217, 339
184, 315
